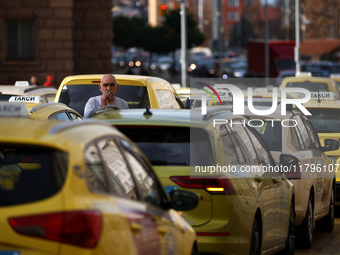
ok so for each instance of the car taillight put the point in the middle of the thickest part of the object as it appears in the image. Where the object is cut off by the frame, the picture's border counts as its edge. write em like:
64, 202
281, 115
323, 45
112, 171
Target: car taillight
81, 228
217, 185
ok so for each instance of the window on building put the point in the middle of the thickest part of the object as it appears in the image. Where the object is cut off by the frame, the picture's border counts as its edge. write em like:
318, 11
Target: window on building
20, 39
247, 2
233, 16
234, 3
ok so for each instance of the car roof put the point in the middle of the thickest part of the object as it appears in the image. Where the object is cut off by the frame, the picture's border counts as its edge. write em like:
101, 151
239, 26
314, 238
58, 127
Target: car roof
44, 110
323, 104
21, 90
168, 117
305, 78
52, 133
121, 78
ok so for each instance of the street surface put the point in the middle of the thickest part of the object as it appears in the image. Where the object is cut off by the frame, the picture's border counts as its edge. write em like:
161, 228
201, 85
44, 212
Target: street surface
325, 243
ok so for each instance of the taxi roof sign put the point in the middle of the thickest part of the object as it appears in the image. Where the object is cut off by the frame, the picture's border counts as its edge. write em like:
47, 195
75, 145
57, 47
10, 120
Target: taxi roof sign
21, 83
26, 99
9, 109
322, 96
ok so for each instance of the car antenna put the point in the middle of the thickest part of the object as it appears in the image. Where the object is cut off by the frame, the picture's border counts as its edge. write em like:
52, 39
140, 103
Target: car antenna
319, 101
147, 114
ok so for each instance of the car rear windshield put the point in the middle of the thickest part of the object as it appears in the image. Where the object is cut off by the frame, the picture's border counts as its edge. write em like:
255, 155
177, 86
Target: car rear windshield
325, 120
76, 96
170, 146
30, 174
311, 86
270, 132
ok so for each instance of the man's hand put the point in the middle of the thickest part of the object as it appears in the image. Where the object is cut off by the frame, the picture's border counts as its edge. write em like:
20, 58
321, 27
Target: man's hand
106, 97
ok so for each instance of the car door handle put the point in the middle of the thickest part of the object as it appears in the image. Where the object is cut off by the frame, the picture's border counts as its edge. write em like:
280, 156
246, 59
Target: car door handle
135, 227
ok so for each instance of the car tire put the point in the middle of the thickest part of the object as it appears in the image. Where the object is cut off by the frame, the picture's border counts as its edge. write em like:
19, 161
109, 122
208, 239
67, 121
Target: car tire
290, 243
306, 229
327, 223
256, 240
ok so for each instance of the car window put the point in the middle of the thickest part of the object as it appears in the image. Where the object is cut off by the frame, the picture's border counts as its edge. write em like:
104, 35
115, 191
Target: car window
271, 133
29, 174
236, 143
76, 96
148, 186
325, 120
118, 174
59, 116
261, 151
74, 116
49, 97
296, 139
95, 170
106, 169
311, 86
135, 96
303, 133
171, 146
166, 100
313, 136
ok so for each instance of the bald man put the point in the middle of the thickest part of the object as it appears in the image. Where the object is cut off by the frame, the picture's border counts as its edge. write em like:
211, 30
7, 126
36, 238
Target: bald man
108, 86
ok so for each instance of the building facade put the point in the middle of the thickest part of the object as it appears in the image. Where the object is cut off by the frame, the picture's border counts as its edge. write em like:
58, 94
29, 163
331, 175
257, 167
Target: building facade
54, 37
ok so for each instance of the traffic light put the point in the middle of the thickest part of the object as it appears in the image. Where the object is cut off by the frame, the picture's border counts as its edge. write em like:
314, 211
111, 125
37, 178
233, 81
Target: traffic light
164, 9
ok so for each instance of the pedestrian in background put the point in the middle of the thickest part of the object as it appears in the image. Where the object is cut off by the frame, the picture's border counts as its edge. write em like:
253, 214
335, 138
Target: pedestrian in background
49, 81
34, 81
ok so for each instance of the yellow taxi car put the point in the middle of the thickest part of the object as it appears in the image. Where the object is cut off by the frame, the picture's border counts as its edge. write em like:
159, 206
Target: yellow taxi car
313, 84
43, 111
47, 94
293, 141
326, 121
138, 91
243, 209
83, 188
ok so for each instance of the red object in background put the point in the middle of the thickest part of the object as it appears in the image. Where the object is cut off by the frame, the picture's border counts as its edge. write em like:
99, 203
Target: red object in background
281, 57
49, 81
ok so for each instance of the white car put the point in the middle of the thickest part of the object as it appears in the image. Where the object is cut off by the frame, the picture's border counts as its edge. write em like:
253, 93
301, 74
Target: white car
310, 170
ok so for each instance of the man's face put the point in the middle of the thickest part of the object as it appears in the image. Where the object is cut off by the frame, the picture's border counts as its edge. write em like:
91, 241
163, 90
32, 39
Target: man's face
108, 85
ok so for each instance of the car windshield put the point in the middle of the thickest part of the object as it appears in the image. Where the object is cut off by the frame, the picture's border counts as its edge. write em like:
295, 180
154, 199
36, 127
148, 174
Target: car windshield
30, 174
311, 86
76, 96
325, 120
271, 133
171, 146
5, 98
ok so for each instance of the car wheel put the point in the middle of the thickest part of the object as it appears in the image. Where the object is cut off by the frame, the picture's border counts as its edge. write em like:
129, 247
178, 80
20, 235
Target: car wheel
306, 230
290, 243
327, 224
255, 243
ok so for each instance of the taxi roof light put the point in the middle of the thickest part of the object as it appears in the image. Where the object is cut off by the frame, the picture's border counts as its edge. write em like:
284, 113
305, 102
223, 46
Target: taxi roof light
21, 83
80, 228
11, 109
26, 99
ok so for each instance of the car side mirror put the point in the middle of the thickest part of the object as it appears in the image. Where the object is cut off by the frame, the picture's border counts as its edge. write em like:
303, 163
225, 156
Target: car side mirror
331, 145
183, 200
289, 161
